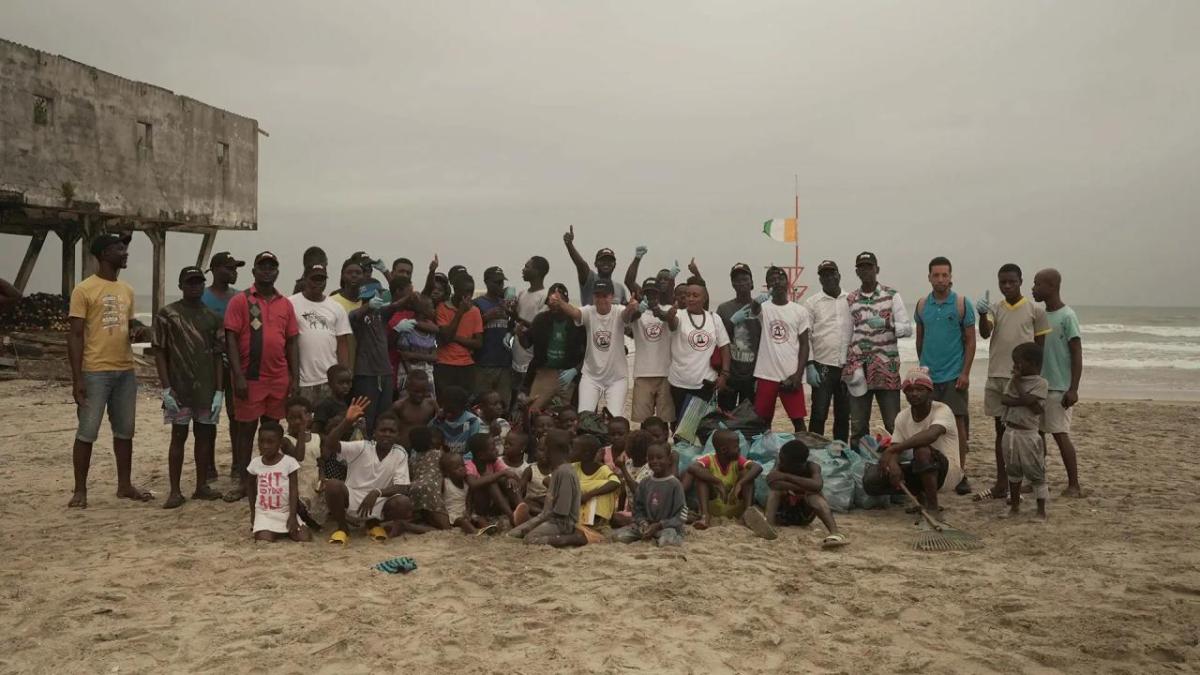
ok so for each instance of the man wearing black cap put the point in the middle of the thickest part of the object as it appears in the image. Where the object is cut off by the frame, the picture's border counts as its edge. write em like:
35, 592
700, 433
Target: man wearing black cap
493, 360
651, 357
830, 340
260, 337
606, 262
101, 359
605, 372
744, 329
324, 339
189, 340
224, 269
878, 317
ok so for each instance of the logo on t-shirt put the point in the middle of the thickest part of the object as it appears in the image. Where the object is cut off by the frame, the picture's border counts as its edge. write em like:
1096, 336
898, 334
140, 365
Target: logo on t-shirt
779, 331
700, 340
652, 331
316, 321
602, 339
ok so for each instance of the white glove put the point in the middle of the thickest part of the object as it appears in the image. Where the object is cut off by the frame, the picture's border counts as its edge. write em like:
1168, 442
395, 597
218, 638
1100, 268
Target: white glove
169, 402
376, 302
218, 402
984, 304
741, 315
377, 264
567, 376
675, 270
876, 322
640, 251
644, 305
762, 297
405, 326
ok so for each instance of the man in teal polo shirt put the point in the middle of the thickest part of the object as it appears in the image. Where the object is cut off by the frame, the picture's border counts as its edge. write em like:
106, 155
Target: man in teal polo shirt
946, 347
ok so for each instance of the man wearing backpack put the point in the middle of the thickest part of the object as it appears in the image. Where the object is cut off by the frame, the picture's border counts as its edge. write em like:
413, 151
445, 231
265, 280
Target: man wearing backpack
946, 347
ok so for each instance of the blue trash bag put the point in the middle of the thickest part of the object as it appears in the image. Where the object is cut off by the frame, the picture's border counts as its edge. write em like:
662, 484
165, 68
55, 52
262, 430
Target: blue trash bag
687, 453
765, 448
838, 474
860, 459
760, 484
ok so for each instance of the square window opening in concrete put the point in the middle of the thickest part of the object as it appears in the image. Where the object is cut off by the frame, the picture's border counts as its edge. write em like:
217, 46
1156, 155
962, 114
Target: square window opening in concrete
43, 111
145, 136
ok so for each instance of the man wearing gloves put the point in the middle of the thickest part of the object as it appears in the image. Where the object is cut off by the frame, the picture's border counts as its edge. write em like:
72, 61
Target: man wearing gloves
558, 347
830, 339
744, 330
188, 343
782, 352
878, 318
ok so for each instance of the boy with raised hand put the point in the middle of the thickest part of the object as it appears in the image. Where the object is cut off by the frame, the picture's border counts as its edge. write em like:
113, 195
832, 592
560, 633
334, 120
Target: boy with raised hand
1062, 366
557, 524
946, 346
658, 503
796, 498
606, 262
377, 481
1009, 323
605, 371
782, 352
188, 344
830, 339
744, 329
460, 333
1024, 401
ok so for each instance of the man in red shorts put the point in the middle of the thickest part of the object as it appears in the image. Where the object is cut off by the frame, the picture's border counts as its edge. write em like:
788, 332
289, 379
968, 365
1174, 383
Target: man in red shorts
260, 334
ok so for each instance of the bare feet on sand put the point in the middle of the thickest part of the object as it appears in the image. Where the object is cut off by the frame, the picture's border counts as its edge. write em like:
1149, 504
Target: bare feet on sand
78, 500
135, 493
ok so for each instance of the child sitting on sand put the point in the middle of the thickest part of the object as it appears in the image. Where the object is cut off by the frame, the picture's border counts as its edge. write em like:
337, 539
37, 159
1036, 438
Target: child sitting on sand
567, 419
515, 449
272, 480
454, 492
795, 497
657, 504
618, 434
456, 423
491, 495
489, 410
1023, 401
724, 482
540, 424
425, 468
658, 428
599, 484
297, 443
557, 524
532, 487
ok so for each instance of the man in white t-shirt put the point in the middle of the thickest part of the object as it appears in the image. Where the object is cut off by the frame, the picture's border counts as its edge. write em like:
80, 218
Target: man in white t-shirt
530, 302
324, 339
696, 334
605, 371
376, 486
782, 352
651, 358
924, 450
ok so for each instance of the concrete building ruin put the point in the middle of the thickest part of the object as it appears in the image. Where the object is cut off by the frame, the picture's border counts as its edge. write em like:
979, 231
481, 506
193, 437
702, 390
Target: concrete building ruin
83, 152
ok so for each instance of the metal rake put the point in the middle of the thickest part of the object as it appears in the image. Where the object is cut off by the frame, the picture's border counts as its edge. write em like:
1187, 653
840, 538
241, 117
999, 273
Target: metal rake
939, 536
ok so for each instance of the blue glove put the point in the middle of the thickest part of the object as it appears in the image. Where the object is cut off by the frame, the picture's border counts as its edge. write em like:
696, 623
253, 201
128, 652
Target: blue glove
675, 270
763, 297
813, 375
876, 322
376, 302
741, 315
567, 376
644, 305
640, 251
377, 264
984, 304
169, 402
405, 326
510, 293
218, 402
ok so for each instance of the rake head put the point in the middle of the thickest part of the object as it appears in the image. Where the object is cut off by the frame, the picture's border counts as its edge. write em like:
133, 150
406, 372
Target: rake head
946, 539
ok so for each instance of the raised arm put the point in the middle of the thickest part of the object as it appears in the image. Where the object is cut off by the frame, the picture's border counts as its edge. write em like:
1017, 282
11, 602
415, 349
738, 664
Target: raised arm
631, 272
581, 266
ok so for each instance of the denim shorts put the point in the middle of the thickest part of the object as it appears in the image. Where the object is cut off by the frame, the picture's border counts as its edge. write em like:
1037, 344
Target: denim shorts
114, 389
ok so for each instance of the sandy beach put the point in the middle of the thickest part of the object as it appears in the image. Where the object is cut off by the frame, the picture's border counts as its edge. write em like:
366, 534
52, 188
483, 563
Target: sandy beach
1110, 584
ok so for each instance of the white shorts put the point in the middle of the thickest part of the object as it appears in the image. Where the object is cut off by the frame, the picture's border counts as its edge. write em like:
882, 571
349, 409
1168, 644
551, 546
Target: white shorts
1055, 418
993, 392
356, 499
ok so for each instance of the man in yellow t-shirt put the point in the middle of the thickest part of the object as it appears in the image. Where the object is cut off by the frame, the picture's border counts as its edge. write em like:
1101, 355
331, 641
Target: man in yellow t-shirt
102, 365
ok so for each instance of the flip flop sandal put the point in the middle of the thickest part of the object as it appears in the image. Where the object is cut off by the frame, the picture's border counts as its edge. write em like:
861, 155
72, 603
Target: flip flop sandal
987, 494
490, 529
339, 537
757, 522
835, 541
377, 533
397, 565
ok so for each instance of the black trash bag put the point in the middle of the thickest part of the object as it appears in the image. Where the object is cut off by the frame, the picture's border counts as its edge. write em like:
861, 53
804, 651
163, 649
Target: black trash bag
594, 424
741, 419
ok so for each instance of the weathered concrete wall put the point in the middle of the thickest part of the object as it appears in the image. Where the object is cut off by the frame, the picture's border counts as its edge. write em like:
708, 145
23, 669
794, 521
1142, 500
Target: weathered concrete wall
91, 136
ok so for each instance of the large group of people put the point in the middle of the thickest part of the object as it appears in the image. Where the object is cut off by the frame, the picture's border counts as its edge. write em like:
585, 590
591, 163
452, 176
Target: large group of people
397, 404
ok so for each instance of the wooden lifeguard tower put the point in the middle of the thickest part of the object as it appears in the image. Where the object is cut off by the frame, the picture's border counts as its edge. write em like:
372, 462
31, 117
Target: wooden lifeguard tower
83, 152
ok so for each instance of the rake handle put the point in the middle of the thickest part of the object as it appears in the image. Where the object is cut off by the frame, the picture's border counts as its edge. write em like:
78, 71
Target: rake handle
924, 514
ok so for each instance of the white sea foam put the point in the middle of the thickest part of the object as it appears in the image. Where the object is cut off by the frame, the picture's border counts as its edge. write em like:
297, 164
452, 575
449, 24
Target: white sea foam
1157, 331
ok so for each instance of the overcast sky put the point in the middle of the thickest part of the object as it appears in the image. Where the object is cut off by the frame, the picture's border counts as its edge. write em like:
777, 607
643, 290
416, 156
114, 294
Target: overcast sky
1041, 133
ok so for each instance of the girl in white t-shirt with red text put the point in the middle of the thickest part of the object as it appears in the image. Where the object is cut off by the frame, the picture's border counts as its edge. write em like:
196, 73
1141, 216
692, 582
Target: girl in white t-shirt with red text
273, 488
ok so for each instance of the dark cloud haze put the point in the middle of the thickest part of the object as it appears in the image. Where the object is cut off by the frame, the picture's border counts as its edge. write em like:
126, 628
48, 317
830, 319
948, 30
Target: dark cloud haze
1040, 133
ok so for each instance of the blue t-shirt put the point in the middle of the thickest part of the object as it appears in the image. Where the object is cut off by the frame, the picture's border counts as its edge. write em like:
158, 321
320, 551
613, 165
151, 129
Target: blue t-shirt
942, 351
216, 304
492, 353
